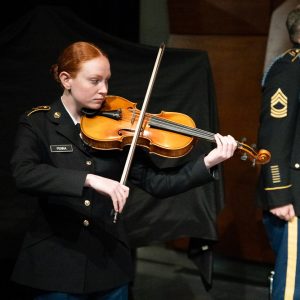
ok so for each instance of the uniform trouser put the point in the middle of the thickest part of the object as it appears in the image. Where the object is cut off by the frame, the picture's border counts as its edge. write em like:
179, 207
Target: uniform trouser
116, 294
284, 241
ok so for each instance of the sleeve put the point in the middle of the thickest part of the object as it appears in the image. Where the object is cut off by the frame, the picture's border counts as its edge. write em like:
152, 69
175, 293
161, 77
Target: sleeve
34, 173
169, 181
280, 101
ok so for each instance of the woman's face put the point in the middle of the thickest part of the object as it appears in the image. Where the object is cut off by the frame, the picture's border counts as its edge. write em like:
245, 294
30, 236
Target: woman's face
90, 86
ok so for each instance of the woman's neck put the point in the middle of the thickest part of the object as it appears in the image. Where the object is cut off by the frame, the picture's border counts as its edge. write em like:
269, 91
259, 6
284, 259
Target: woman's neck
71, 106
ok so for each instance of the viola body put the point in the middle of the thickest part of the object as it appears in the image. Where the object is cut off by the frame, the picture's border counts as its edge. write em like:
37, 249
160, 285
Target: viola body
105, 133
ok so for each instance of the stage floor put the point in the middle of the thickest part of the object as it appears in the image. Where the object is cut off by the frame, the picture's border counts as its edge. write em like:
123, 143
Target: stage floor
166, 274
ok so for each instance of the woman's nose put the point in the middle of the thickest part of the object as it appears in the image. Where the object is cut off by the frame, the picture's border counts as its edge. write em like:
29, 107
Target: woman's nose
103, 89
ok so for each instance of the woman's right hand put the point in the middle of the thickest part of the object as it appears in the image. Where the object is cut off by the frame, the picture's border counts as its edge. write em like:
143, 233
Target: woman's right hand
112, 188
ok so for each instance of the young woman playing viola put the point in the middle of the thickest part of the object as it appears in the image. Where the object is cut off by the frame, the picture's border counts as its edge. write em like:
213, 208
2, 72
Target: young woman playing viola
73, 250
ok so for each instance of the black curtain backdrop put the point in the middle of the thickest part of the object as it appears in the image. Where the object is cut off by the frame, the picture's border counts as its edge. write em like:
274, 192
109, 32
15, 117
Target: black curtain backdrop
29, 46
117, 17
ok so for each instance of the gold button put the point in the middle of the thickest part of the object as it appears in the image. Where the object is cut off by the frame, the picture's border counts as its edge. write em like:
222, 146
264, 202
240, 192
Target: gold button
297, 166
88, 162
87, 202
86, 223
57, 115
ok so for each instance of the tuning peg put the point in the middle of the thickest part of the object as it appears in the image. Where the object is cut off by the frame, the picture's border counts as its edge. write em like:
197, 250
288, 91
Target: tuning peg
254, 146
244, 156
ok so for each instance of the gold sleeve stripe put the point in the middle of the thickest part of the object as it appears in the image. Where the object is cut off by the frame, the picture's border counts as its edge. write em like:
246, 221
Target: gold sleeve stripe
291, 259
275, 167
278, 188
275, 174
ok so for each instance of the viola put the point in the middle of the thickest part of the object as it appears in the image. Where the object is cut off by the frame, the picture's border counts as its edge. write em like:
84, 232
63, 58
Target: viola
167, 134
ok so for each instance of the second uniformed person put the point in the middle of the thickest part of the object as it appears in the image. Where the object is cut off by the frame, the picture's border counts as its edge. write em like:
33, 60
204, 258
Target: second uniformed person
279, 189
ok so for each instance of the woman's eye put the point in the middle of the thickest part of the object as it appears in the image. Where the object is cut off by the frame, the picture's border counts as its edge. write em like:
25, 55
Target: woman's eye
95, 81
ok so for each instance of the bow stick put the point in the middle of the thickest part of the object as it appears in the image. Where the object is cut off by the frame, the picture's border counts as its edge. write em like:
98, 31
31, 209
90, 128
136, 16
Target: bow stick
140, 121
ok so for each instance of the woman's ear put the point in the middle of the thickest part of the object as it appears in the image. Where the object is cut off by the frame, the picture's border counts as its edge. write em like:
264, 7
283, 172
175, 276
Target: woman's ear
65, 79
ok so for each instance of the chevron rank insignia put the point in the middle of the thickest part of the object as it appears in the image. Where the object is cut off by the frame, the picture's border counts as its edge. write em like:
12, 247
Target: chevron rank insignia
279, 104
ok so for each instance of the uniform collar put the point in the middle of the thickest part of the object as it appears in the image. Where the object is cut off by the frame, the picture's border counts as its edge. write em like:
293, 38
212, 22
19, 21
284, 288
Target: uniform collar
58, 114
65, 124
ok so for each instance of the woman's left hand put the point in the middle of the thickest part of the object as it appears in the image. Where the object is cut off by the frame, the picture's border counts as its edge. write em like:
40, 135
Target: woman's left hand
226, 145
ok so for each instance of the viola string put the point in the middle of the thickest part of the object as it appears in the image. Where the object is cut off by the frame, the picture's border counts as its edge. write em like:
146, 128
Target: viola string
182, 128
177, 127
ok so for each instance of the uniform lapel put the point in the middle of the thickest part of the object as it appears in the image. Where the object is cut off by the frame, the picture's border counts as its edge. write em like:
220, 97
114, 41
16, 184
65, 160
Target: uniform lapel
65, 125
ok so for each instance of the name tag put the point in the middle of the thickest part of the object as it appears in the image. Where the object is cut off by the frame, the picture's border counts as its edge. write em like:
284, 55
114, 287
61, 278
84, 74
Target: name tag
61, 148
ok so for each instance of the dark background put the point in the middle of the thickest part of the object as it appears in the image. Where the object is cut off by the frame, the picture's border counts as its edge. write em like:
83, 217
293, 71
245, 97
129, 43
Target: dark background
116, 17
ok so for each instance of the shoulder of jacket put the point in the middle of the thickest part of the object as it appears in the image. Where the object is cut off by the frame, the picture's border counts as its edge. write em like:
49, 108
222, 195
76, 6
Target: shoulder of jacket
282, 61
38, 109
291, 54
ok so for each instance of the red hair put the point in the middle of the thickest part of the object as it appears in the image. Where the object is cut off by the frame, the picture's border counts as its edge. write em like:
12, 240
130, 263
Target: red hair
73, 56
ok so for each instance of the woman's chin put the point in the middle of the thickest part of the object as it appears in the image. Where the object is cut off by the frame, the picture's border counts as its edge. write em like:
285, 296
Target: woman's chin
95, 106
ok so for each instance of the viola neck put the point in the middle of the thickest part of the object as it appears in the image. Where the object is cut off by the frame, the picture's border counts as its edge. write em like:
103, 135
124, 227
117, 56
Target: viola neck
161, 123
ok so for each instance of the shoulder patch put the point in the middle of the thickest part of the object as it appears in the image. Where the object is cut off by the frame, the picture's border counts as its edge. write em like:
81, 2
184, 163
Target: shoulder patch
38, 108
279, 105
294, 53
